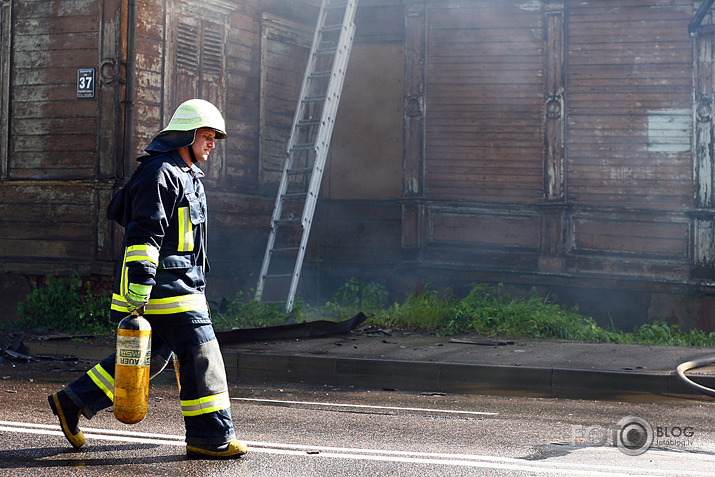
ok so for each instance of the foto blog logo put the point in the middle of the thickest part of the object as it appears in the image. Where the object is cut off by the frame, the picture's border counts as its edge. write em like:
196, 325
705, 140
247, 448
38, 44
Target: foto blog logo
632, 435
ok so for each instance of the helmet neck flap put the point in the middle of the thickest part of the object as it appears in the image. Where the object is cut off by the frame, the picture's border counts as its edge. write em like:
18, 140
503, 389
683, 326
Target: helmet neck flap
190, 116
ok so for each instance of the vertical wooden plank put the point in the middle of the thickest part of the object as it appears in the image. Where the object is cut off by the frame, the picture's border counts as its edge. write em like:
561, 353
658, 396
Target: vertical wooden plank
703, 115
703, 240
413, 158
108, 82
5, 47
414, 99
212, 86
554, 102
108, 89
553, 211
104, 231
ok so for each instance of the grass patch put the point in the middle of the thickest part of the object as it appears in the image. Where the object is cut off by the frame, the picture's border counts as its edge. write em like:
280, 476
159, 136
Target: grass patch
484, 310
245, 312
66, 305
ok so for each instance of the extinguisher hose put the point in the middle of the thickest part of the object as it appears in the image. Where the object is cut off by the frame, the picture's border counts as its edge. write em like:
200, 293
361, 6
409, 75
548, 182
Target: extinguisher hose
698, 363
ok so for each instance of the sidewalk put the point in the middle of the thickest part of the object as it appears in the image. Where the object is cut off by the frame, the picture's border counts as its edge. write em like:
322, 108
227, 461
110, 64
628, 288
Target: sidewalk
464, 364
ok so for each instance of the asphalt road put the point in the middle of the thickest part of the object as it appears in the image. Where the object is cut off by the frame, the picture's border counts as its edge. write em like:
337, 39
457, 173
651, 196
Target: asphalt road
301, 431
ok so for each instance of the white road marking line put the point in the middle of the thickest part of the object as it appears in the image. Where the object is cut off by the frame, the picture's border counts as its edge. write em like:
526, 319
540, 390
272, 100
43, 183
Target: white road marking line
437, 457
89, 435
364, 406
463, 460
85, 430
526, 466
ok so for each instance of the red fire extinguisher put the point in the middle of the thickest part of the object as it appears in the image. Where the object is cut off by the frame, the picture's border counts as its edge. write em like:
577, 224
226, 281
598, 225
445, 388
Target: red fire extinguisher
131, 371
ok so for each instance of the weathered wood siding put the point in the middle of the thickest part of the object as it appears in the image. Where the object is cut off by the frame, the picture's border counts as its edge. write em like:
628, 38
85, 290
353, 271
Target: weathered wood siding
483, 166
484, 89
43, 221
559, 143
242, 102
629, 104
554, 140
53, 134
52, 182
284, 53
629, 171
149, 77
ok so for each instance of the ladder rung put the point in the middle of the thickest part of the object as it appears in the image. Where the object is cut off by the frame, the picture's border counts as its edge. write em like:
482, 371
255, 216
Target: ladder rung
331, 28
320, 75
285, 249
295, 195
308, 122
329, 43
278, 275
326, 51
302, 170
340, 4
295, 221
305, 146
313, 99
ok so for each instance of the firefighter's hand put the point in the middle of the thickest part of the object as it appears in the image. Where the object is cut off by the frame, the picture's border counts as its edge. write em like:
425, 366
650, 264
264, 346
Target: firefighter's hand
137, 296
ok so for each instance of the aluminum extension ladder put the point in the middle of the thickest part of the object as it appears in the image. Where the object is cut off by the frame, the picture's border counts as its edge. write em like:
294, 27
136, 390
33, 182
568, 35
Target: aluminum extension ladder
306, 153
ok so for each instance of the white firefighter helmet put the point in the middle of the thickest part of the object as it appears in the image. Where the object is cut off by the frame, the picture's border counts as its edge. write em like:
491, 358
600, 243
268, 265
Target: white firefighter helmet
188, 117
197, 113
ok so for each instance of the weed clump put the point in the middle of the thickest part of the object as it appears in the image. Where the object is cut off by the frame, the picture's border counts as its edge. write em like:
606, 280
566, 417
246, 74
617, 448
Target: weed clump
65, 305
484, 310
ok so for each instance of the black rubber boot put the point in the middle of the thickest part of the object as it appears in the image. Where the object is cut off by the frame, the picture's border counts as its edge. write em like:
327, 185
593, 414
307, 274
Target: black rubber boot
68, 413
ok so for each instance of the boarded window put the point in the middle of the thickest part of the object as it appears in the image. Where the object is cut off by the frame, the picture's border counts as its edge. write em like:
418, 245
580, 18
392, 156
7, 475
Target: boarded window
629, 104
365, 160
484, 90
284, 53
198, 71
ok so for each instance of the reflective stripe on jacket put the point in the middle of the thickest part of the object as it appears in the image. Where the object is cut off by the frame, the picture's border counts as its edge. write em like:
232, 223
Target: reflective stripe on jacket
164, 208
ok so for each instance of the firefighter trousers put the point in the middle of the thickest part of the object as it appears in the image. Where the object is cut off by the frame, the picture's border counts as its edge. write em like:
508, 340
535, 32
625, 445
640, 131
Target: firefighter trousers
205, 402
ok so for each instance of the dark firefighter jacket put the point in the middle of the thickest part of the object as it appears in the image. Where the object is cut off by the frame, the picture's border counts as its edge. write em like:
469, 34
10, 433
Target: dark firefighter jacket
163, 210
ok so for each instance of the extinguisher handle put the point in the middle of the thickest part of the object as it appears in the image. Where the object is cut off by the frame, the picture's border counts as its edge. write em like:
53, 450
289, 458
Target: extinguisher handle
138, 311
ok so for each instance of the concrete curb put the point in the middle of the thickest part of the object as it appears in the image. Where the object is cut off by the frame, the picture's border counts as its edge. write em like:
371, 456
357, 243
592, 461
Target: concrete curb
452, 377
445, 377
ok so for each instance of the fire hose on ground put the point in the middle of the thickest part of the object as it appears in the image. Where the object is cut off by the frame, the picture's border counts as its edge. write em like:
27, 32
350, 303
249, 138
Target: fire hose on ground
698, 363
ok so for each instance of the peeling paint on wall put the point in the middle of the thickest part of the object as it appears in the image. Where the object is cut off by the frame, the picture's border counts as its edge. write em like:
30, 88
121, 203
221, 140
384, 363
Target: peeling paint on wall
532, 5
669, 130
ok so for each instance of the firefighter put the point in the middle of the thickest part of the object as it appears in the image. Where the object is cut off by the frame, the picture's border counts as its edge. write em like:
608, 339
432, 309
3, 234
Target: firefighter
163, 210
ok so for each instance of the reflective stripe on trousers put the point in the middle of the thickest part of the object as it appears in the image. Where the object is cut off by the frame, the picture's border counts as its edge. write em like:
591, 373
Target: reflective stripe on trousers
205, 405
205, 401
103, 380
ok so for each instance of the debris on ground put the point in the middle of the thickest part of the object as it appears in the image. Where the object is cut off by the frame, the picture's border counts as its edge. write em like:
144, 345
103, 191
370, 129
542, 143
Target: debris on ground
11, 348
487, 342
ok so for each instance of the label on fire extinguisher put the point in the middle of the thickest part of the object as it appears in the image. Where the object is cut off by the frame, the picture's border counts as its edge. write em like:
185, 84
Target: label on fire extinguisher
133, 351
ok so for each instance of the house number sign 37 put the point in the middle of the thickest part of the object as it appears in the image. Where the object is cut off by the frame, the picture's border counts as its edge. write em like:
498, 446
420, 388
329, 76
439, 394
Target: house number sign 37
85, 83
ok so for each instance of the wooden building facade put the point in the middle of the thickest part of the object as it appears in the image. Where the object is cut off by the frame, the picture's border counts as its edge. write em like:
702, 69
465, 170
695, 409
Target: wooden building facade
560, 144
